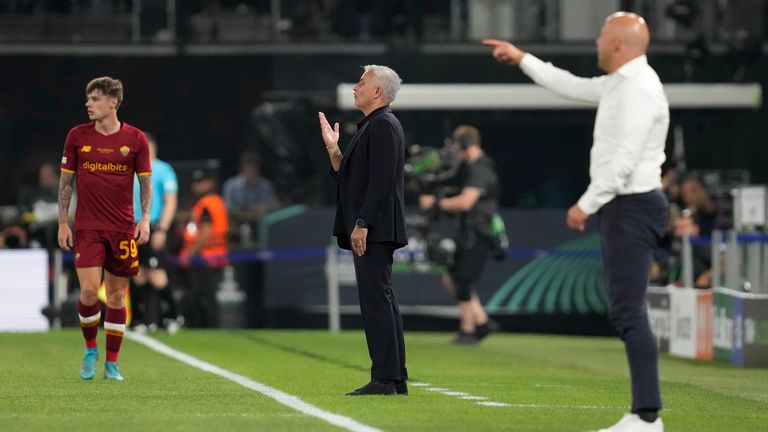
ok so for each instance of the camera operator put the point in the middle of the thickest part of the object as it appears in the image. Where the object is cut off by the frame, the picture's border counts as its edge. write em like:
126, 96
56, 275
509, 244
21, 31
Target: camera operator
476, 206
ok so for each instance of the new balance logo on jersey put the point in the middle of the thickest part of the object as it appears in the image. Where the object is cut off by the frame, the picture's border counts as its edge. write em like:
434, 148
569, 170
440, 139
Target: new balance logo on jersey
85, 149
109, 166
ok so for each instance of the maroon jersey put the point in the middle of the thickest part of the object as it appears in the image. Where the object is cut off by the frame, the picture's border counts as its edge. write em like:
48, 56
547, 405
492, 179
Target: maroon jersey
105, 165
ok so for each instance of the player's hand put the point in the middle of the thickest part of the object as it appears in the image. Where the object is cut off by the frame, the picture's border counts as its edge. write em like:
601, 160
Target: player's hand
505, 52
576, 219
358, 237
330, 136
141, 232
158, 239
65, 237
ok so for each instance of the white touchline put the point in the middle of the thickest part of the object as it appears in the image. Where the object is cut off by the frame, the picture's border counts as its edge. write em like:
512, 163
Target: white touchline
494, 404
280, 396
483, 400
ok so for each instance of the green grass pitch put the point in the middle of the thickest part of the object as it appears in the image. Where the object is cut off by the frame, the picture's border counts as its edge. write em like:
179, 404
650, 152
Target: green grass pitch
528, 383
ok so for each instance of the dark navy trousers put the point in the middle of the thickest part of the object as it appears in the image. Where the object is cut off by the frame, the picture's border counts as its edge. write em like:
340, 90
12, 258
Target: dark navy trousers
382, 322
630, 228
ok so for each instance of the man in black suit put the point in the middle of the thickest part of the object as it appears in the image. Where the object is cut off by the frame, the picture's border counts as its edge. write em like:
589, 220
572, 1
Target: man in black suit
370, 220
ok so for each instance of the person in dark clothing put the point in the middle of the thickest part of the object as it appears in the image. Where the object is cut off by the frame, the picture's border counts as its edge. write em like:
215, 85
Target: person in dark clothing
370, 220
476, 205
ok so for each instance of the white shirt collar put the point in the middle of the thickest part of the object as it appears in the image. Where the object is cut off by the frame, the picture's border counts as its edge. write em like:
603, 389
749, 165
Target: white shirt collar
632, 67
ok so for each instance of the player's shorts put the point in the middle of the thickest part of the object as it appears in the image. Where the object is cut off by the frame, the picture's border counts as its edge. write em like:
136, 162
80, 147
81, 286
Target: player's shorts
116, 252
152, 259
468, 264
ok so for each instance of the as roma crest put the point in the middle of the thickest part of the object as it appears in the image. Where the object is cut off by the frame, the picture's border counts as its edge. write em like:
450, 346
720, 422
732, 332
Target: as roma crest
124, 150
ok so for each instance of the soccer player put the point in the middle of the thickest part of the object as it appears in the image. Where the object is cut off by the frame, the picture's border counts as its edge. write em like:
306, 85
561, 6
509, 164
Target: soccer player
104, 154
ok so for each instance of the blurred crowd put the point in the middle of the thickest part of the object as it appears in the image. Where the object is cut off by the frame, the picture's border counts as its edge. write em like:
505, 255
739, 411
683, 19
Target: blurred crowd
693, 212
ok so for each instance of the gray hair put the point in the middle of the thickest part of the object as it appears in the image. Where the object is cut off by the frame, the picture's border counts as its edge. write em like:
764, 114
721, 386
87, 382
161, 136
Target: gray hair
387, 79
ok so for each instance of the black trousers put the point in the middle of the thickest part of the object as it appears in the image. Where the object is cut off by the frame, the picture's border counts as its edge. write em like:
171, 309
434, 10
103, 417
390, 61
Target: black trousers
381, 317
630, 228
201, 308
471, 255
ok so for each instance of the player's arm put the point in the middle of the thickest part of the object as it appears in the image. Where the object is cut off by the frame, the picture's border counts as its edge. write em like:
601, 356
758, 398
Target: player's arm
170, 201
145, 199
65, 197
462, 202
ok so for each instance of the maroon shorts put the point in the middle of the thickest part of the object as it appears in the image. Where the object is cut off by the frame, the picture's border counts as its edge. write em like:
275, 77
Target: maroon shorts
116, 252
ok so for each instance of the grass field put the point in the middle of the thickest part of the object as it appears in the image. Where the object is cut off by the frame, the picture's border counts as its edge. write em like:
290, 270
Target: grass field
525, 383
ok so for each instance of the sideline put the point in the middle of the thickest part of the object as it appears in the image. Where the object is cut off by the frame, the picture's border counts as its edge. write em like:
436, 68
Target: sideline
286, 399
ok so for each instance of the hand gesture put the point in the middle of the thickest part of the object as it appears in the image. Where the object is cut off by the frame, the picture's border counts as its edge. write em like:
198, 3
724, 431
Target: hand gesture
65, 237
141, 232
330, 136
505, 52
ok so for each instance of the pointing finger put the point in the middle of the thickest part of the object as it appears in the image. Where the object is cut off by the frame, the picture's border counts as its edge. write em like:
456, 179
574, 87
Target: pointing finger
493, 42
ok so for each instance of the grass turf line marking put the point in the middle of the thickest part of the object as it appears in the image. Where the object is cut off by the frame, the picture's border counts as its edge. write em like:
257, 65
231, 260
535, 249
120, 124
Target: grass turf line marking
483, 401
494, 404
286, 399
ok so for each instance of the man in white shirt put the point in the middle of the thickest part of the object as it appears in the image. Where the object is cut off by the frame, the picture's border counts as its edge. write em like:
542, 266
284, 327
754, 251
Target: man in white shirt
624, 191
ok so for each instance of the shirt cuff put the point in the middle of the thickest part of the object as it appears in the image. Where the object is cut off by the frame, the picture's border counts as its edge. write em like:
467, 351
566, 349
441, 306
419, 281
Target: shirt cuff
593, 200
530, 64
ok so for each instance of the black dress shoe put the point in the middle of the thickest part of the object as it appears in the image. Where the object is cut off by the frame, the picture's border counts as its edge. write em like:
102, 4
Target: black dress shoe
401, 388
375, 388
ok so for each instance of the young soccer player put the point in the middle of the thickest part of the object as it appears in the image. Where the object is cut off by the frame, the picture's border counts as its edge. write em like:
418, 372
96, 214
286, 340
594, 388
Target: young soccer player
104, 154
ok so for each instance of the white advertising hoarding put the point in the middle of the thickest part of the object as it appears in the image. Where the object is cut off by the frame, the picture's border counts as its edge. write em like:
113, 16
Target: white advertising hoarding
23, 290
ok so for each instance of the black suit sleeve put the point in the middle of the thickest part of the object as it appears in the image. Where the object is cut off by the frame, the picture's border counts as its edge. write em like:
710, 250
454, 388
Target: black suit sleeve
382, 163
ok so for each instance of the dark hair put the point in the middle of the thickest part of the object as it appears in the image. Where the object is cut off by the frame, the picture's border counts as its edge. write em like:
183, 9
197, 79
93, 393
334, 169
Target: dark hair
108, 86
466, 136
250, 157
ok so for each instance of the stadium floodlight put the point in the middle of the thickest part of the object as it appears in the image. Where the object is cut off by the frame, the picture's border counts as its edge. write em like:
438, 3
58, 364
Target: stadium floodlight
533, 97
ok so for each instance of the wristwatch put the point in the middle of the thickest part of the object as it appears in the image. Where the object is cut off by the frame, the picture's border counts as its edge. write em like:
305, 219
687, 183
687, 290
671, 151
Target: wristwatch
360, 223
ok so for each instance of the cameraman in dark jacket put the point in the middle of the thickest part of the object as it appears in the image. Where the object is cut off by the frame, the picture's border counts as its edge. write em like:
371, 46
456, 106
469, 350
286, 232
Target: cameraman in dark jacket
476, 205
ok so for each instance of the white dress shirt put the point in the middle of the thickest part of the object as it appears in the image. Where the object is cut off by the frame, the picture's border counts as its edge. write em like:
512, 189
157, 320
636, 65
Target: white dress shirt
630, 127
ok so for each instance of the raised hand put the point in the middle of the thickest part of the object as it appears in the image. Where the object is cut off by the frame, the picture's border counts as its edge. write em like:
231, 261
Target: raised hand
330, 136
505, 52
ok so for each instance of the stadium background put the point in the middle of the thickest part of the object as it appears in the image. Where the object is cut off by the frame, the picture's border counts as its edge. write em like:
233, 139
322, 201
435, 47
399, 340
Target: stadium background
218, 77
215, 77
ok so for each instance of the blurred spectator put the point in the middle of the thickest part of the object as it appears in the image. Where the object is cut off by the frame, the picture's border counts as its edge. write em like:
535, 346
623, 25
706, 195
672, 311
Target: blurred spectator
13, 236
40, 207
204, 251
698, 205
249, 196
697, 218
42, 198
249, 192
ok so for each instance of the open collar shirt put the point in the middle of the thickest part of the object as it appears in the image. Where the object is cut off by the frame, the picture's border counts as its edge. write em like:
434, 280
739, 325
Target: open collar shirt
630, 127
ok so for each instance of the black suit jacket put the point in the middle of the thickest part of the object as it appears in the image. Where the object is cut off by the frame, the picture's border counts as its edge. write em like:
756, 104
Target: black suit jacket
370, 182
